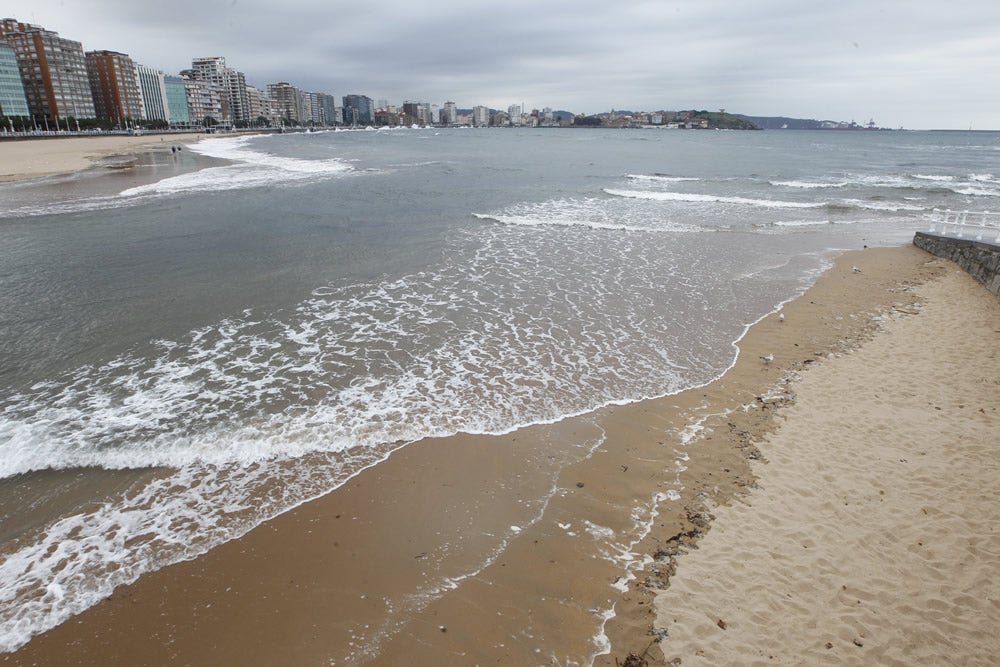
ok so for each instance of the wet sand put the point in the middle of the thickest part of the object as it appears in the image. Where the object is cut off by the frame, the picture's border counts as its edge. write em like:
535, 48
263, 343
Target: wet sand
511, 549
22, 159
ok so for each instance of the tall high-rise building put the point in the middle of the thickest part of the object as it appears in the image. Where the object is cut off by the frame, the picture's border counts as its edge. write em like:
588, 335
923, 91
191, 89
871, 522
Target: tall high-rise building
411, 111
53, 72
288, 102
418, 112
320, 108
449, 116
232, 86
177, 102
116, 89
310, 109
260, 106
204, 100
153, 88
480, 116
514, 111
327, 109
12, 100
358, 109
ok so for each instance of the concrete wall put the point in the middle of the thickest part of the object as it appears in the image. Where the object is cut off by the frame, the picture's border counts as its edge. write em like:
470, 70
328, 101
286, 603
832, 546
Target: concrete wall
980, 259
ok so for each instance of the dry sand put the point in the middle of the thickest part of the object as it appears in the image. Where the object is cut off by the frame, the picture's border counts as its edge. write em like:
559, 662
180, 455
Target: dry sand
32, 158
316, 584
874, 535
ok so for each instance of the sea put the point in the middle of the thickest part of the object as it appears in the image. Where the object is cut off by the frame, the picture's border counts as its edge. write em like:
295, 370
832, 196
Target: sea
198, 344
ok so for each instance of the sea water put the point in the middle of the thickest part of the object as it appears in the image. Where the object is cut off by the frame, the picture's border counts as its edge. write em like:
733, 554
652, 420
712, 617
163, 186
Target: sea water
187, 353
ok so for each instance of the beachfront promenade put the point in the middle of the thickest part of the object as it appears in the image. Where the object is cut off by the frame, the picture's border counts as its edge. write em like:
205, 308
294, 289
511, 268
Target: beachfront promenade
63, 134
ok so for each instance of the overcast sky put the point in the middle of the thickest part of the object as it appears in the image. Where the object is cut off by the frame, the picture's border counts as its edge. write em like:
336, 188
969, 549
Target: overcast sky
917, 64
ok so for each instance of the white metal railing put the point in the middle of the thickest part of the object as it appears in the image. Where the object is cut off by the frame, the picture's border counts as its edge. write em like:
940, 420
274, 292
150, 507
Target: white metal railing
975, 223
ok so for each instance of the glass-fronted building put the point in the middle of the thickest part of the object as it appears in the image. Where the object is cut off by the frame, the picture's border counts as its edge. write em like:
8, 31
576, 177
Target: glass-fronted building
177, 102
12, 99
358, 109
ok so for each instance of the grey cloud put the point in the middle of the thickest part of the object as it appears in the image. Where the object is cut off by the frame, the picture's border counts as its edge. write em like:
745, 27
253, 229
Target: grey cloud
905, 63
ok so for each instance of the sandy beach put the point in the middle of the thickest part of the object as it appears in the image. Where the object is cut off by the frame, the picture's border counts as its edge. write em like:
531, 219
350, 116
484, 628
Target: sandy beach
872, 536
33, 158
319, 582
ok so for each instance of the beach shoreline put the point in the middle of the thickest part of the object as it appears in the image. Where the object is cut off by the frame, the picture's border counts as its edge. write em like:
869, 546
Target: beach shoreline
327, 581
25, 159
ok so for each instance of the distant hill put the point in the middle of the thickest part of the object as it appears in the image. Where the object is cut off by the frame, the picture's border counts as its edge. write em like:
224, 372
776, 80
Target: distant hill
784, 123
781, 122
728, 121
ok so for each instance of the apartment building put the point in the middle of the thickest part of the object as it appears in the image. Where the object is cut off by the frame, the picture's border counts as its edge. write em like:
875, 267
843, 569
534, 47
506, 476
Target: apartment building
232, 86
153, 88
115, 86
480, 116
203, 98
288, 102
261, 106
53, 72
327, 106
514, 114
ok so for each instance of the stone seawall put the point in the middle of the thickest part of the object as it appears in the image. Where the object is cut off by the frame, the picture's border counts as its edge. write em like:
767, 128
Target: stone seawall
980, 259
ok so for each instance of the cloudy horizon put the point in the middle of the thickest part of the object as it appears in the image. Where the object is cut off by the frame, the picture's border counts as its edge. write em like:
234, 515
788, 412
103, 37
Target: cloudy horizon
899, 63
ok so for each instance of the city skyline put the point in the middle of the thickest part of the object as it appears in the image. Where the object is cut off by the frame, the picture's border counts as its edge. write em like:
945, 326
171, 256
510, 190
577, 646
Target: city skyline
917, 67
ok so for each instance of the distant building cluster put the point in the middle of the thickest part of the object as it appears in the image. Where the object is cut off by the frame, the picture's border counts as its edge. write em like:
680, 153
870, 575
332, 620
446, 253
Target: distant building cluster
48, 81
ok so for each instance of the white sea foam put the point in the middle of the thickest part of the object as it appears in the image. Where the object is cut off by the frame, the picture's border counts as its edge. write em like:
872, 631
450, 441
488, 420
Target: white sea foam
592, 213
976, 191
253, 169
623, 554
808, 185
809, 223
985, 178
711, 199
882, 206
80, 559
975, 185
892, 181
661, 178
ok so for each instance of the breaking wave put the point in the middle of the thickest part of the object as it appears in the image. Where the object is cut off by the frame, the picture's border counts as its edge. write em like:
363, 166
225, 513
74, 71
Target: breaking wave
703, 198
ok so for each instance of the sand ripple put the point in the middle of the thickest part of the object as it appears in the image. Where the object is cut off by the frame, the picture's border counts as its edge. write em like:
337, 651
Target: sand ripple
873, 538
